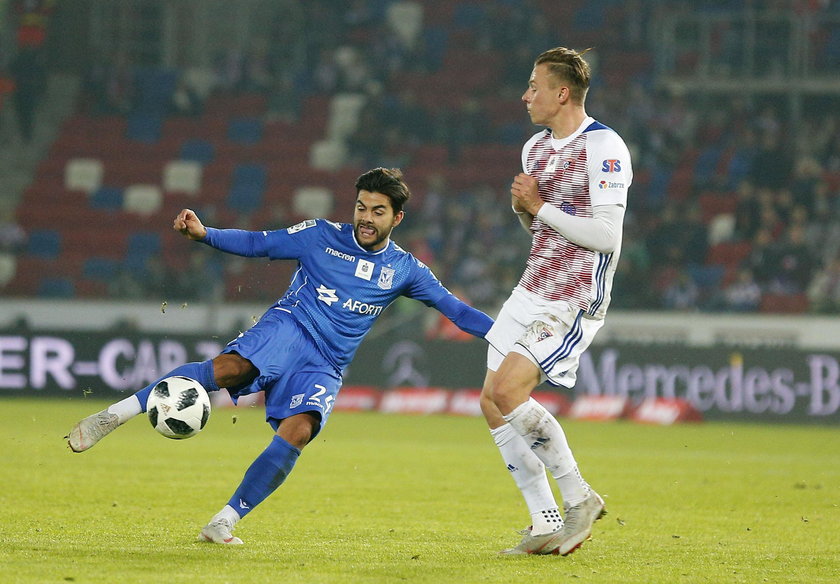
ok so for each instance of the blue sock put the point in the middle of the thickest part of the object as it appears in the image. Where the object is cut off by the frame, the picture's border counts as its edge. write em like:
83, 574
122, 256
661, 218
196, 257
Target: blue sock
264, 475
201, 372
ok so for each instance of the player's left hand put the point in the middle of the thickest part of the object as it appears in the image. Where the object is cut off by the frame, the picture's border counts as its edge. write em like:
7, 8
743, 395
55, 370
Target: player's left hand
524, 191
188, 224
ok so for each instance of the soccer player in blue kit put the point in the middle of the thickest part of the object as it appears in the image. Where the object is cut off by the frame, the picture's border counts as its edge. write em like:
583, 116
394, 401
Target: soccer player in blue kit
297, 351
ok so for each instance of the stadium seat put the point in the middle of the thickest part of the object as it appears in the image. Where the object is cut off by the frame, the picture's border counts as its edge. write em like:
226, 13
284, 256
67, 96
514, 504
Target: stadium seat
784, 303
182, 176
727, 253
721, 228
328, 155
405, 19
245, 197
154, 87
344, 112
144, 127
44, 243
245, 130
144, 242
100, 269
109, 198
143, 200
198, 150
8, 268
83, 174
53, 287
310, 202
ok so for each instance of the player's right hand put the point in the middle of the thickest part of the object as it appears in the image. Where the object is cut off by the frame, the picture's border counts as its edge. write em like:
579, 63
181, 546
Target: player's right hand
188, 224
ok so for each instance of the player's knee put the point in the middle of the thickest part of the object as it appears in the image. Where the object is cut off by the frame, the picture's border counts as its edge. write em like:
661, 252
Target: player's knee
232, 370
299, 429
489, 409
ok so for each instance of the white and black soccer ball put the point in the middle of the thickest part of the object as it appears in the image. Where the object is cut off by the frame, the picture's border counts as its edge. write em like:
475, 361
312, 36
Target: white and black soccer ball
178, 407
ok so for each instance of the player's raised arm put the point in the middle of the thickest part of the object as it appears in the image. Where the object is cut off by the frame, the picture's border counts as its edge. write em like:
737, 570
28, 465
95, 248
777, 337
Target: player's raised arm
189, 225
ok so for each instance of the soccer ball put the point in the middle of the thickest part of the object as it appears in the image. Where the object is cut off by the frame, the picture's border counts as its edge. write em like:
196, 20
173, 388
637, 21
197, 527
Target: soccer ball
178, 407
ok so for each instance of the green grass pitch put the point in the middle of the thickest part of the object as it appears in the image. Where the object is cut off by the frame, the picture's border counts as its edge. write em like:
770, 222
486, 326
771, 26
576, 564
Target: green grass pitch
381, 498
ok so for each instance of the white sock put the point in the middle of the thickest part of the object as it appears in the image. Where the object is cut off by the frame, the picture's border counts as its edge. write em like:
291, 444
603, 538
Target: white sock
528, 473
126, 409
546, 439
228, 513
573, 487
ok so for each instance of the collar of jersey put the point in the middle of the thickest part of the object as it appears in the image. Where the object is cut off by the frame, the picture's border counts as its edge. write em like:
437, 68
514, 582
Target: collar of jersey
558, 143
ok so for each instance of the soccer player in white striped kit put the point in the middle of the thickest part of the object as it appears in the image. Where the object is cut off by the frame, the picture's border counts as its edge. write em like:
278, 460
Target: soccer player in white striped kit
571, 196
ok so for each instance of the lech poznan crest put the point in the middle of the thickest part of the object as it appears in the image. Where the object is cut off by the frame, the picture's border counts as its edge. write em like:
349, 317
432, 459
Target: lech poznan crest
386, 278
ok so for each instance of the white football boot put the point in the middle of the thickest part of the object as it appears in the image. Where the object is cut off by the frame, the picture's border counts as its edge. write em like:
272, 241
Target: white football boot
218, 531
578, 523
544, 544
91, 430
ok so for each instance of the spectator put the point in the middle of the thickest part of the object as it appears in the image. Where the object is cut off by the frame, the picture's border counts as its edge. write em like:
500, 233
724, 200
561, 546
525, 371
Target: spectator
30, 77
681, 294
743, 294
824, 288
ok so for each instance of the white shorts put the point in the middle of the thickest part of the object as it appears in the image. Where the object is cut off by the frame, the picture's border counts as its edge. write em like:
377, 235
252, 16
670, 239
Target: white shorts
551, 335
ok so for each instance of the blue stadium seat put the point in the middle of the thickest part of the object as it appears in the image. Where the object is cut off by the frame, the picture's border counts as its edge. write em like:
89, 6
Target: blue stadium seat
100, 269
109, 198
245, 130
198, 150
154, 87
44, 243
245, 198
247, 188
51, 287
144, 243
144, 127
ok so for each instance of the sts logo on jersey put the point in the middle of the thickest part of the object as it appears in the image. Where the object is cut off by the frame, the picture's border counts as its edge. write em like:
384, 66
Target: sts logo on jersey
611, 165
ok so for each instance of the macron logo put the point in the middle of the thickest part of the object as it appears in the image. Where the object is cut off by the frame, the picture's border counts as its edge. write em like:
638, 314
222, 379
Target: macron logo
326, 295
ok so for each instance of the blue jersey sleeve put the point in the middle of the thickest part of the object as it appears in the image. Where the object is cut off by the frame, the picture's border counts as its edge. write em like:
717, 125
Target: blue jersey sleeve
465, 317
426, 288
290, 243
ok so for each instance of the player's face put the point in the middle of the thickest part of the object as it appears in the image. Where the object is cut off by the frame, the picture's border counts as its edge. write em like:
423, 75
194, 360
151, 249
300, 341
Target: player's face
542, 96
373, 220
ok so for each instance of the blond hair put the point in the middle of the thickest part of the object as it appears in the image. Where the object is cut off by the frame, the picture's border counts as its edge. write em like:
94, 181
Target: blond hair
568, 66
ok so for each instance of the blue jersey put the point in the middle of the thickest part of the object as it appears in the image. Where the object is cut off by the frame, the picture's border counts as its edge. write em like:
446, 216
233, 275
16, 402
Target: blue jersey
340, 288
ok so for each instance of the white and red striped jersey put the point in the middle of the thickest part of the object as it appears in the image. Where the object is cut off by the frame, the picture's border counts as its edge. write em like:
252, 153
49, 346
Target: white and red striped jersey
589, 168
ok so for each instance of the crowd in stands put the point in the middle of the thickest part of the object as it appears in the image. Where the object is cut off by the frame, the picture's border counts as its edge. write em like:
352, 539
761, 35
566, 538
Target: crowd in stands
733, 207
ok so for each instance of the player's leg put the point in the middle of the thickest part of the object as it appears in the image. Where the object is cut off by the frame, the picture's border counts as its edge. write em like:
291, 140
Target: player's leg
300, 389
526, 469
263, 477
226, 370
554, 350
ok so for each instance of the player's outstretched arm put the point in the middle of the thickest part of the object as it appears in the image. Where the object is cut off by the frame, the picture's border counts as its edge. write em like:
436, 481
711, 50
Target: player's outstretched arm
189, 225
235, 241
465, 317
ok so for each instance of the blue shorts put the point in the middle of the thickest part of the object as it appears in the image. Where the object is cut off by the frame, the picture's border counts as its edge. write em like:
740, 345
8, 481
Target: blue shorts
294, 375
